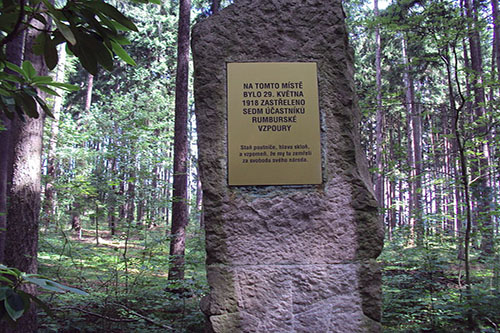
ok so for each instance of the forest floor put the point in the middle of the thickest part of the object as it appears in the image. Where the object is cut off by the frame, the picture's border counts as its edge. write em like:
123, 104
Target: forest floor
125, 275
425, 290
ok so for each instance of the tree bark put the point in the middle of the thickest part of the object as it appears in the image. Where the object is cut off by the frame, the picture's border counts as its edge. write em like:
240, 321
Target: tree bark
414, 151
179, 203
14, 53
131, 198
112, 200
379, 179
480, 189
48, 207
88, 95
496, 36
23, 210
4, 171
215, 6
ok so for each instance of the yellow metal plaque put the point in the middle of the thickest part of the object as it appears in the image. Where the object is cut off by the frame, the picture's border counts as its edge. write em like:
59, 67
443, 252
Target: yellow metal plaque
273, 124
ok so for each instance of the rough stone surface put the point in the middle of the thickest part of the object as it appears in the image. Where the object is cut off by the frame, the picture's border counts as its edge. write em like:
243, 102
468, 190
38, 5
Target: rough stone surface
287, 258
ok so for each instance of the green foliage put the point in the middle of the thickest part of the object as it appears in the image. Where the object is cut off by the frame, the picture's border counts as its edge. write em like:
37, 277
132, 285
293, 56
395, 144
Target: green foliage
424, 288
90, 29
18, 91
14, 301
126, 274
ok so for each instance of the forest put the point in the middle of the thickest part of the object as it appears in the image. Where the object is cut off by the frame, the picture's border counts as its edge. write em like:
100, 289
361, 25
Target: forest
101, 221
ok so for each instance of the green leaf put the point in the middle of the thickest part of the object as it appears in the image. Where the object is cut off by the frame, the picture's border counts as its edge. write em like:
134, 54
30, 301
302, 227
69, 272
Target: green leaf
26, 299
51, 285
112, 12
42, 79
4, 92
66, 32
4, 279
42, 304
29, 69
44, 106
30, 91
101, 53
120, 52
29, 104
122, 40
66, 288
8, 20
15, 68
14, 305
14, 78
9, 271
39, 46
105, 21
50, 53
65, 86
20, 112
56, 14
86, 56
3, 292
48, 90
9, 113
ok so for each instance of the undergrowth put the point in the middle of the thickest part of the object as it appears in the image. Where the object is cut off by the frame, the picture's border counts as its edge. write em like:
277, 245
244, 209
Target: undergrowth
424, 287
126, 277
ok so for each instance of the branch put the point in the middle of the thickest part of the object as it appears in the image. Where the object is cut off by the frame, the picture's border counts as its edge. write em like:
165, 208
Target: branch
149, 320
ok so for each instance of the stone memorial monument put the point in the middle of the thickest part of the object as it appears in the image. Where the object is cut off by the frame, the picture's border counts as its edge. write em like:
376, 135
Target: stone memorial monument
292, 231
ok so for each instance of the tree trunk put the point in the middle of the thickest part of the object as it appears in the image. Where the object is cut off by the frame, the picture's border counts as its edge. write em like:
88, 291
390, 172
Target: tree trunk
112, 200
179, 202
414, 151
4, 171
496, 35
131, 197
199, 202
480, 189
215, 6
122, 213
75, 217
14, 53
88, 95
23, 209
379, 179
49, 201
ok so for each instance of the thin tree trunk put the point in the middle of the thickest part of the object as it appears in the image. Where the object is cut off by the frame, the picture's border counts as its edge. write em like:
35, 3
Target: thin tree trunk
468, 210
49, 201
179, 204
96, 221
131, 198
199, 202
88, 95
379, 179
75, 217
112, 200
415, 153
123, 203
